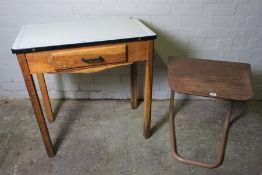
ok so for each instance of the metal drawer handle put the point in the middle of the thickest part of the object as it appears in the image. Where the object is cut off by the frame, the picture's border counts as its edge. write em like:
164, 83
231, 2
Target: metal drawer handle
92, 60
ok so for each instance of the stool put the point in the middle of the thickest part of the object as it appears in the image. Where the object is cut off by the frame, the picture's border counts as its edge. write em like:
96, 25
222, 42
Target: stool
218, 79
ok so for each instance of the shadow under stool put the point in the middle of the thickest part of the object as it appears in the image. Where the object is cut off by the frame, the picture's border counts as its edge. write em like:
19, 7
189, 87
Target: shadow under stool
218, 79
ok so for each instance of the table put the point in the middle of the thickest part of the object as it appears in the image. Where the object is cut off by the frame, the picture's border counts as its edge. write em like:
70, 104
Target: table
84, 47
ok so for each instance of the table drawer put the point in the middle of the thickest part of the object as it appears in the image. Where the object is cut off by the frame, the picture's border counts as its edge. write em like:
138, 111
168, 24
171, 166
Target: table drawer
91, 56
53, 61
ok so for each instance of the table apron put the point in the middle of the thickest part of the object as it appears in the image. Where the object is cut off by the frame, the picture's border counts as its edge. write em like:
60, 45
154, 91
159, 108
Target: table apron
42, 62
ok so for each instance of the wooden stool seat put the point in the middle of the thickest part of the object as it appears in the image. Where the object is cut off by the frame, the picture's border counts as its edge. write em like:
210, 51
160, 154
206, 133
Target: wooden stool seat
220, 79
217, 79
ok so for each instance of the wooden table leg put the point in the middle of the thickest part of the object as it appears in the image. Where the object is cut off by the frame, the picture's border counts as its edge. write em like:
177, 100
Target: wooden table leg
133, 83
46, 100
148, 89
35, 103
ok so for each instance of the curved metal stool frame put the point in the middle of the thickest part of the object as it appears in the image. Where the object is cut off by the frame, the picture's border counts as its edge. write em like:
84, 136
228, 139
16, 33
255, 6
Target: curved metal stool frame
220, 148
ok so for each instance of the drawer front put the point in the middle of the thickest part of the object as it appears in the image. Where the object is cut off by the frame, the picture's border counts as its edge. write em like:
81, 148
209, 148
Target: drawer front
48, 61
90, 56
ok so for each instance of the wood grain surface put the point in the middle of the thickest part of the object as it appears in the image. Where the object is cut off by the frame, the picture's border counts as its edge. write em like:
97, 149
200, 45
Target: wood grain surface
36, 104
219, 79
148, 89
45, 97
42, 62
68, 59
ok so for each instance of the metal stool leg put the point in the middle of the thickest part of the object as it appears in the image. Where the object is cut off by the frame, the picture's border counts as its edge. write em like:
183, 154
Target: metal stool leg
221, 146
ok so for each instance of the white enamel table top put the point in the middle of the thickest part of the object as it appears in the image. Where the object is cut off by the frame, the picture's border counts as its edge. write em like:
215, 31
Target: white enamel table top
33, 37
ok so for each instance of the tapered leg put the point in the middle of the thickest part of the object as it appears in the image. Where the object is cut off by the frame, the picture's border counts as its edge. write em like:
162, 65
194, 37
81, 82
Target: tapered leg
133, 83
46, 100
148, 89
35, 103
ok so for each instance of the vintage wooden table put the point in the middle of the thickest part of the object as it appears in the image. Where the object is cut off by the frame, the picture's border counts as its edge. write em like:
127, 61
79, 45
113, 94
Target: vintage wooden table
84, 47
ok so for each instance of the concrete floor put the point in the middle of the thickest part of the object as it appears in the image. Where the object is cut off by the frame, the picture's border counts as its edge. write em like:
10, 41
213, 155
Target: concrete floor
105, 137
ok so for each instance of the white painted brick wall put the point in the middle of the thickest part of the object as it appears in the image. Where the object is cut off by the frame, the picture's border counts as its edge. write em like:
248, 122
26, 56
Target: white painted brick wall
215, 29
